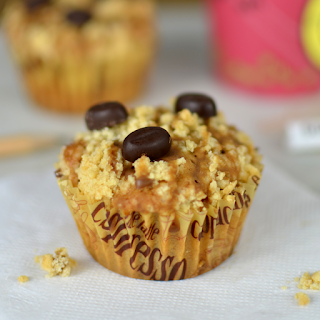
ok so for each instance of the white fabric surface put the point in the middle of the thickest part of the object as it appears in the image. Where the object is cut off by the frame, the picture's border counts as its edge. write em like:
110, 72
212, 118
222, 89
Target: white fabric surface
279, 242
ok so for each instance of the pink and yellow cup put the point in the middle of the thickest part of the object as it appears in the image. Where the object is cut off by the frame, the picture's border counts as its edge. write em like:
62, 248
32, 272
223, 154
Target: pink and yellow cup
268, 46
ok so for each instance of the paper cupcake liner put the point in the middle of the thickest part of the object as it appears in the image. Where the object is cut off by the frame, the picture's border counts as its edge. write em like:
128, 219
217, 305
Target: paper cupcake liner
154, 247
76, 87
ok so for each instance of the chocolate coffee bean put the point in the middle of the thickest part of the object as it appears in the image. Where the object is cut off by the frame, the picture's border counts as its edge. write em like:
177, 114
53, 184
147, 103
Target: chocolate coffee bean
143, 182
201, 104
58, 173
78, 17
153, 142
106, 114
35, 4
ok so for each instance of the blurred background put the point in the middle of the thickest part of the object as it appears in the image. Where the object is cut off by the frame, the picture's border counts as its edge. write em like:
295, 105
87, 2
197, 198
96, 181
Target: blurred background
257, 61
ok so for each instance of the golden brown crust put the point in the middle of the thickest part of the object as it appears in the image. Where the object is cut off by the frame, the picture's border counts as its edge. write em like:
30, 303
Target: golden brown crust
72, 156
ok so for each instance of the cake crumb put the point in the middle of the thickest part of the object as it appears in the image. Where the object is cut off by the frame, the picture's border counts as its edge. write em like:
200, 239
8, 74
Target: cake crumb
23, 279
296, 279
303, 298
60, 264
315, 286
316, 276
308, 281
284, 287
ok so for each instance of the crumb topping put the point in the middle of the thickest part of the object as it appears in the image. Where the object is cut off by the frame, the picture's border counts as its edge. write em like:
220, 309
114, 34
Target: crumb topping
116, 27
303, 298
208, 161
23, 279
60, 264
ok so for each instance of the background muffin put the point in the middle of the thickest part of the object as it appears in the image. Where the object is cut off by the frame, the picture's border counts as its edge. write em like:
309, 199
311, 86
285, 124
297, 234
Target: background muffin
158, 194
73, 54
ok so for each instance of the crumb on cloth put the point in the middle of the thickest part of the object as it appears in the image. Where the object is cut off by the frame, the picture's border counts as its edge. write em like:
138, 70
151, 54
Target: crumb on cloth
23, 279
308, 281
284, 288
60, 264
303, 298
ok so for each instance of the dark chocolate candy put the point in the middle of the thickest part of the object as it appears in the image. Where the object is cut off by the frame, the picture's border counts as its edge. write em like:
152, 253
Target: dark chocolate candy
106, 114
35, 4
154, 142
78, 17
201, 104
58, 173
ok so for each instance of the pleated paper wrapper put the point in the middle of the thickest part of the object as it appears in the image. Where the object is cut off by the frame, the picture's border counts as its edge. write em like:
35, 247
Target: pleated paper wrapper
74, 86
157, 247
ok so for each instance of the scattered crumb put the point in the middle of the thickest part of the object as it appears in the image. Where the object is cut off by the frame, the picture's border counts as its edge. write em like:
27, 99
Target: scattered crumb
284, 287
316, 276
303, 298
23, 279
308, 281
60, 265
315, 286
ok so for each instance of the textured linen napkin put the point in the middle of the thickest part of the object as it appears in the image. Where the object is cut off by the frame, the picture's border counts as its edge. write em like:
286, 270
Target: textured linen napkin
280, 241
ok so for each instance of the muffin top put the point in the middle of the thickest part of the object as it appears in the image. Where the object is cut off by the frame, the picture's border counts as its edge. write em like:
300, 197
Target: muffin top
160, 160
47, 29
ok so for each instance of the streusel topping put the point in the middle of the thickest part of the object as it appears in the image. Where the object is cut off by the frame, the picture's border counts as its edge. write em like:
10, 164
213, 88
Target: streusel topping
114, 27
208, 161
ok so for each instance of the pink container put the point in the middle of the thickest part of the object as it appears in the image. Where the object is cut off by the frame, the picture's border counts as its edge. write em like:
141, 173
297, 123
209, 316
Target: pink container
270, 46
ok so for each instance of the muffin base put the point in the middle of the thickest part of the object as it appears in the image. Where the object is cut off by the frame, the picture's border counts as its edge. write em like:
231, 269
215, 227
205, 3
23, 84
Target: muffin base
154, 247
65, 89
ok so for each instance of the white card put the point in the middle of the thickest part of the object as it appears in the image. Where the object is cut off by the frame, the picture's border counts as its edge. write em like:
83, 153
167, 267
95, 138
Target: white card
304, 135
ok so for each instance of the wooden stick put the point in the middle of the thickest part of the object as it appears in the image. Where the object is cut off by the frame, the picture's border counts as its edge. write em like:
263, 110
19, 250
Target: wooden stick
25, 143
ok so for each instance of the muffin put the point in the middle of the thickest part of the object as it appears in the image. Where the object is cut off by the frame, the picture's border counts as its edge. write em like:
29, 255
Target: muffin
159, 193
73, 54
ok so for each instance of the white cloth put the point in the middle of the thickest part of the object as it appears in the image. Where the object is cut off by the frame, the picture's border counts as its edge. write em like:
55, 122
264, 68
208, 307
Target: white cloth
280, 241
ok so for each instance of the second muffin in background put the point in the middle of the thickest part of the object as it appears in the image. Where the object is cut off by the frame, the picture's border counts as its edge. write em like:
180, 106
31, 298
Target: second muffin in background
76, 53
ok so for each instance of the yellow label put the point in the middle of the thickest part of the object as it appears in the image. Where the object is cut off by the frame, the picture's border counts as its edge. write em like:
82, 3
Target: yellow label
310, 31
